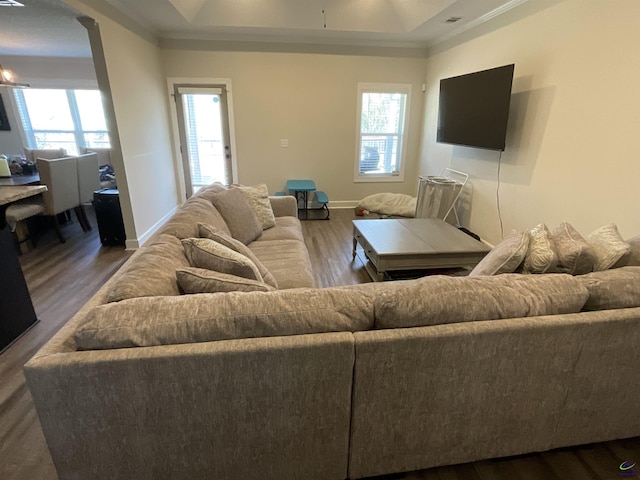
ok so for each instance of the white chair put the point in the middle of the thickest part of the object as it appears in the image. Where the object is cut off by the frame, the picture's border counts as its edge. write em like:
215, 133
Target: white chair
104, 158
32, 154
60, 175
88, 182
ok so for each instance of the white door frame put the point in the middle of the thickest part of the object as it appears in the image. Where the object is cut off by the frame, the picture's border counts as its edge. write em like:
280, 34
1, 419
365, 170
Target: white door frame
177, 156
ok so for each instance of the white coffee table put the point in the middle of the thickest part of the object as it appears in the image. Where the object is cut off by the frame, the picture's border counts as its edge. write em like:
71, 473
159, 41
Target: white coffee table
414, 244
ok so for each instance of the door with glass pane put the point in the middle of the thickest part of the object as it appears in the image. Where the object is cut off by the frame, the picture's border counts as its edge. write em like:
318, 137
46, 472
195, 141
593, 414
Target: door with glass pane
203, 121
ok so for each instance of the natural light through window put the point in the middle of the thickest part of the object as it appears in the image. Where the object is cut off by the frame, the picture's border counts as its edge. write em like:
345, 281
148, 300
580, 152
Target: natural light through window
382, 123
67, 119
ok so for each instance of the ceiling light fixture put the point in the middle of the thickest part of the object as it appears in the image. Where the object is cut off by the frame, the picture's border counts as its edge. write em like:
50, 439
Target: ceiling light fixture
10, 3
6, 79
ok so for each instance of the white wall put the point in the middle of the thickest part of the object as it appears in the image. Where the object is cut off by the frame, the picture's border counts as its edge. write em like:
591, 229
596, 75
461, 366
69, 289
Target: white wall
146, 171
310, 100
573, 143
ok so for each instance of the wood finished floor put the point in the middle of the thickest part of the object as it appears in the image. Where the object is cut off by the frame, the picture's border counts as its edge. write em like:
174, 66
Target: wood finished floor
62, 277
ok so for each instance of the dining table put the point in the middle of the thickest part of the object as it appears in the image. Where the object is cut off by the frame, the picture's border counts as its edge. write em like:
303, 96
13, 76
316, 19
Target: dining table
17, 314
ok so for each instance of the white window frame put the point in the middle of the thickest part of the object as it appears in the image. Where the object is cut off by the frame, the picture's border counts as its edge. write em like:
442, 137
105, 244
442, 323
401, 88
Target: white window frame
78, 131
398, 176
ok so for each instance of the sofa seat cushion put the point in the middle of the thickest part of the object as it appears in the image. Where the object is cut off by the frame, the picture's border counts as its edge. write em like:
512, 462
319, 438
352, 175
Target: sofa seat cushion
287, 228
441, 299
184, 223
616, 288
151, 271
287, 260
221, 316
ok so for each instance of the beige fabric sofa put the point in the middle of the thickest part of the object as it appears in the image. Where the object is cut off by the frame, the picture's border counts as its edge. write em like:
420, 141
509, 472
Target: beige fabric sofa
333, 383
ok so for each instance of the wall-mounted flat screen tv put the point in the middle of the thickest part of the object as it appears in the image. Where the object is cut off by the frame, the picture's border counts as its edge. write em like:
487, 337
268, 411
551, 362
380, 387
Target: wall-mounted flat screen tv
474, 108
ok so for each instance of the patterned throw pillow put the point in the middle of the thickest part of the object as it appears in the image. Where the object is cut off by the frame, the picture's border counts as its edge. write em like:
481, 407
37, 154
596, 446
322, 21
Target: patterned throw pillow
541, 256
608, 246
505, 257
209, 231
258, 198
238, 214
206, 253
200, 280
575, 255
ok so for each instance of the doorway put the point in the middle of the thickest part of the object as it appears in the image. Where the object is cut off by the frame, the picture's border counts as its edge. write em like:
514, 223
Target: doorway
204, 134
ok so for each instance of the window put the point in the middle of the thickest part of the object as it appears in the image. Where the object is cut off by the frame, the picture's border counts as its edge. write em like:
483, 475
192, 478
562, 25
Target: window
67, 119
382, 127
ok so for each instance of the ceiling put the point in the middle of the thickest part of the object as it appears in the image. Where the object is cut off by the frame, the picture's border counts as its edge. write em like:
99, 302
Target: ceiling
50, 28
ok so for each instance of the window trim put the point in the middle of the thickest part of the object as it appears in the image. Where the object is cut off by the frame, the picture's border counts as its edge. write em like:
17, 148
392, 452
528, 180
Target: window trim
402, 88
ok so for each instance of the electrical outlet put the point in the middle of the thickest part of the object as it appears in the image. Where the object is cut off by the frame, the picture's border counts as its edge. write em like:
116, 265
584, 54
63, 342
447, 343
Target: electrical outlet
284, 143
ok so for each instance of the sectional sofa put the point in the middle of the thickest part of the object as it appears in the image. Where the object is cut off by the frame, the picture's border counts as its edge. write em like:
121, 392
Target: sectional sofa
288, 381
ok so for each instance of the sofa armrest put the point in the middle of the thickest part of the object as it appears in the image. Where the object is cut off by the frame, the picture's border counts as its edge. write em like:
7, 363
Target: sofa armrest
284, 206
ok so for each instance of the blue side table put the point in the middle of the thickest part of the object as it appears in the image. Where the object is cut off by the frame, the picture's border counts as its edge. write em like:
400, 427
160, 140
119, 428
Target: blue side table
301, 189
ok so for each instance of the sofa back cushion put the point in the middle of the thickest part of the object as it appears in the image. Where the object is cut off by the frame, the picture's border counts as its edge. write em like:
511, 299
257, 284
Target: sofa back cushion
222, 316
441, 299
184, 223
151, 272
616, 288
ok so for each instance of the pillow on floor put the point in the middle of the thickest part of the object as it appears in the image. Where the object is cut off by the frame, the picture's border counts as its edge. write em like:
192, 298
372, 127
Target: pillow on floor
238, 215
200, 280
575, 255
209, 254
258, 198
505, 257
608, 246
541, 255
213, 233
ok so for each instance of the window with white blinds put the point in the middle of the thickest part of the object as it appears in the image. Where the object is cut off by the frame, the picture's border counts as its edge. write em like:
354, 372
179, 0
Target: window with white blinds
69, 119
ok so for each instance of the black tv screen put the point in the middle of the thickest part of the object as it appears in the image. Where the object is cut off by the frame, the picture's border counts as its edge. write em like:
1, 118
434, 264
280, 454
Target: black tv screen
474, 108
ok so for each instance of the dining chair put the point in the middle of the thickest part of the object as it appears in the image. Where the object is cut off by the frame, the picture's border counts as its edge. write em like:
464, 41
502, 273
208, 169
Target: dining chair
60, 175
88, 182
107, 179
32, 154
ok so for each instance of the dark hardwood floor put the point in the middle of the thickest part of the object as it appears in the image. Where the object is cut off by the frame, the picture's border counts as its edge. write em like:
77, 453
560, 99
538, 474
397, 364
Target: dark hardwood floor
62, 277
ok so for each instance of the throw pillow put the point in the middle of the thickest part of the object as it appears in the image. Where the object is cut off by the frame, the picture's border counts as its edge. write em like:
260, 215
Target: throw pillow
238, 214
206, 253
541, 256
608, 246
633, 257
213, 233
200, 280
615, 288
505, 257
258, 198
575, 255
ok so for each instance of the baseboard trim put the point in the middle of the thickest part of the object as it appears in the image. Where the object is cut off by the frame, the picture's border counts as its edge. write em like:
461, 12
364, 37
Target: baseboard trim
137, 243
344, 204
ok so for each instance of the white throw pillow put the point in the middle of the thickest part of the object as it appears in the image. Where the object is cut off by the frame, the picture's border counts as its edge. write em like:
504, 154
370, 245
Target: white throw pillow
258, 198
541, 256
608, 246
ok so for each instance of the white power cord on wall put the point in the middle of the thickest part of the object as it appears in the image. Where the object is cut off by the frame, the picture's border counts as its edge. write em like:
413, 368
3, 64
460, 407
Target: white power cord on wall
498, 197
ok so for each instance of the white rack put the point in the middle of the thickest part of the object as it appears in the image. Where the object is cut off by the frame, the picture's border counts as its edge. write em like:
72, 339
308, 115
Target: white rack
437, 195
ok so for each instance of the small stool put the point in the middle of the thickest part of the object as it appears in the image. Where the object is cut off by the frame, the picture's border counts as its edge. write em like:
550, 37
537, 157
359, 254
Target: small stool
322, 199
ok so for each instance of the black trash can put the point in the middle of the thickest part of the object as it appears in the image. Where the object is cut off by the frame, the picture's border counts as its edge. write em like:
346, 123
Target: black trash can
106, 203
